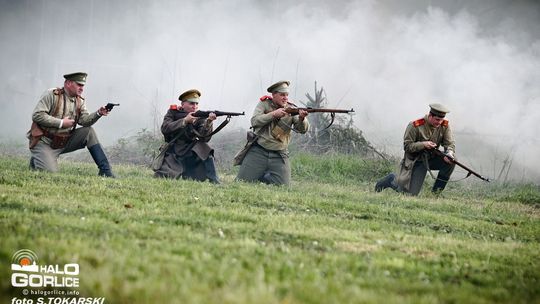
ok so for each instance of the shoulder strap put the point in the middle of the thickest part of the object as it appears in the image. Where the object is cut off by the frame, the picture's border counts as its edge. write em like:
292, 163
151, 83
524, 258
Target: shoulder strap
59, 92
78, 105
419, 122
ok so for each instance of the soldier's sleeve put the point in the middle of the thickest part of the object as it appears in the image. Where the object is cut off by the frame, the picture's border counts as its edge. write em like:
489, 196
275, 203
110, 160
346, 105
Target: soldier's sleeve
169, 125
260, 118
301, 126
41, 115
410, 141
448, 141
87, 119
205, 127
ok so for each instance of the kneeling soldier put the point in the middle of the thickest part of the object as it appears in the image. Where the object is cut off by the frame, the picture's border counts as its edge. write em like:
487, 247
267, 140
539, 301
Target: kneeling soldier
421, 136
189, 156
267, 160
54, 131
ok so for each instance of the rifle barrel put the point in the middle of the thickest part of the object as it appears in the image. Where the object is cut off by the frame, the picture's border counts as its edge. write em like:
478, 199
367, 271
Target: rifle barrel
204, 114
438, 152
318, 110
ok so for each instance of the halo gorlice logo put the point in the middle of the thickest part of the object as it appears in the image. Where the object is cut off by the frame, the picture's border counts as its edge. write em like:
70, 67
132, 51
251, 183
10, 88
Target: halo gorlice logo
24, 260
46, 284
27, 273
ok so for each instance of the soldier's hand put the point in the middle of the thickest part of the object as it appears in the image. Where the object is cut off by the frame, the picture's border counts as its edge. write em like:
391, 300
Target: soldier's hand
103, 112
212, 116
302, 114
67, 122
428, 145
449, 159
279, 113
189, 119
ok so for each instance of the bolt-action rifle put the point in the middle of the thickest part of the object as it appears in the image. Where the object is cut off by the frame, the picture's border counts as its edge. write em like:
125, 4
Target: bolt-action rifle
295, 111
205, 114
470, 171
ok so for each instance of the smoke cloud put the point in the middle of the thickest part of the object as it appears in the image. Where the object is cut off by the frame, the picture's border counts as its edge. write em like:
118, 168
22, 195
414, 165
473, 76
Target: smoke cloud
386, 59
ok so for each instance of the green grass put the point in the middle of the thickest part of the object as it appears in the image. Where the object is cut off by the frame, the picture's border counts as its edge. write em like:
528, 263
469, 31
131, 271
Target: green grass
327, 239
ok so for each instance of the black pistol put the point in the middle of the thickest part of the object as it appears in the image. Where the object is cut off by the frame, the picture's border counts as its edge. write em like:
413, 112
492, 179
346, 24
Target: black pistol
110, 106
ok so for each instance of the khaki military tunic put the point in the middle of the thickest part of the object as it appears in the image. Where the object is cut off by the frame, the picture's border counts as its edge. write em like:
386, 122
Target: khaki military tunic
418, 132
43, 112
268, 160
277, 135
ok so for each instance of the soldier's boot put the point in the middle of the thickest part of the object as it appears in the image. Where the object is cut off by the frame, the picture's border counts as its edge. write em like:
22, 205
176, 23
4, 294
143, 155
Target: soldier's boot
210, 169
442, 178
32, 165
438, 186
386, 182
101, 161
266, 178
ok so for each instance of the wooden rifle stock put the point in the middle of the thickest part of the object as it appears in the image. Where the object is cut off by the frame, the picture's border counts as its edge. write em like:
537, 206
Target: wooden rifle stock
469, 170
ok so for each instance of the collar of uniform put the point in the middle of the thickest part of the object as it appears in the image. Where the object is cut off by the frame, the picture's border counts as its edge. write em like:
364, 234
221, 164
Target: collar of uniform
72, 99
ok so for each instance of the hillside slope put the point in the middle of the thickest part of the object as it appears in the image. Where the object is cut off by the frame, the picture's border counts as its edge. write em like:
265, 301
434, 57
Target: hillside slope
323, 240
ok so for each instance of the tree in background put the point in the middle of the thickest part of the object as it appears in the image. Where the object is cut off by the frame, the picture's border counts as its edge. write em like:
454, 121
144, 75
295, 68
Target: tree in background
342, 137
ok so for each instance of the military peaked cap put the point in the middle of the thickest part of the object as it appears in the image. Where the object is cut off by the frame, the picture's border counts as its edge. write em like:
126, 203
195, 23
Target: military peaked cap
438, 109
78, 77
279, 87
190, 96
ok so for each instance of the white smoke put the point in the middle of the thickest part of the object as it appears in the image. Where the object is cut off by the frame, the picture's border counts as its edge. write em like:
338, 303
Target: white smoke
388, 61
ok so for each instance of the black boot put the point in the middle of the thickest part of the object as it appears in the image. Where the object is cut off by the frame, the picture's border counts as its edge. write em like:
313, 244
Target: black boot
210, 169
101, 160
386, 182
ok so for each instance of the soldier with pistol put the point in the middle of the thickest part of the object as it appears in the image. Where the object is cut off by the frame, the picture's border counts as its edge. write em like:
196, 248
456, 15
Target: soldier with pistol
54, 129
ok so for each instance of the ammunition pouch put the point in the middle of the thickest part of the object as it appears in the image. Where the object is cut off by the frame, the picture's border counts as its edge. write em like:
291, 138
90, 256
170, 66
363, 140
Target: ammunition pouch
59, 141
251, 139
34, 135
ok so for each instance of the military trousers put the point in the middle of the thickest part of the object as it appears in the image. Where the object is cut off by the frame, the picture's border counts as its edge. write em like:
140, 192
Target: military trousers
43, 157
267, 166
420, 170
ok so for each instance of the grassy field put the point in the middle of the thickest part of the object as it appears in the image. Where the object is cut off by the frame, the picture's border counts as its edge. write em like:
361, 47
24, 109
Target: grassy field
329, 238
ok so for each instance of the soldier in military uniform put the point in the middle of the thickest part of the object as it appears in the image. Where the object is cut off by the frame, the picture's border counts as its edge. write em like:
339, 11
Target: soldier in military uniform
268, 159
421, 136
190, 156
54, 131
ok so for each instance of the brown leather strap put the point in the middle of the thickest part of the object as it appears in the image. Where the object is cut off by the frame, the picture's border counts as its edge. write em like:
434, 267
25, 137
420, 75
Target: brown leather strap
77, 113
59, 92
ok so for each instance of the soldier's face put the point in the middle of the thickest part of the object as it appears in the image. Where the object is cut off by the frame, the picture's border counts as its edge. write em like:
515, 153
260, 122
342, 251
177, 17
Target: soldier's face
73, 89
190, 106
280, 99
435, 121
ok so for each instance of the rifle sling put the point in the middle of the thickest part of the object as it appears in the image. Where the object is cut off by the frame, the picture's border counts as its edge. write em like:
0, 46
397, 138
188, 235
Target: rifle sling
221, 126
